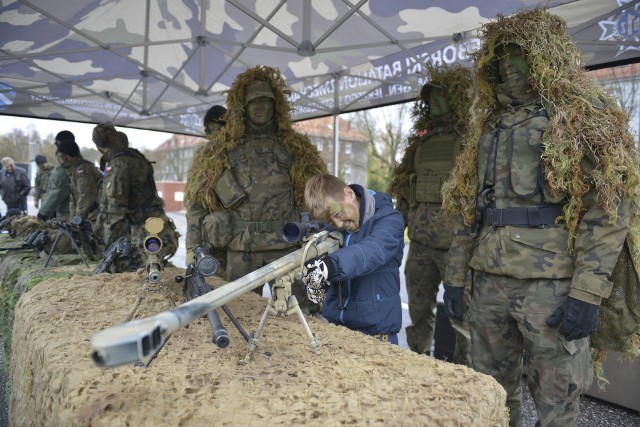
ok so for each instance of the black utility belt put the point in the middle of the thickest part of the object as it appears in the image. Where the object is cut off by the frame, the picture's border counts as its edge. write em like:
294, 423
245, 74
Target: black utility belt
537, 216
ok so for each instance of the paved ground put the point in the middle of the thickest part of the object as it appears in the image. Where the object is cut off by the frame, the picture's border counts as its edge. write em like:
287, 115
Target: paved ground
593, 412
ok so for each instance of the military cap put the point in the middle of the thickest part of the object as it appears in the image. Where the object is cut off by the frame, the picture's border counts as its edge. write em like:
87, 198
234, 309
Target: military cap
40, 159
65, 135
214, 114
256, 89
68, 147
105, 135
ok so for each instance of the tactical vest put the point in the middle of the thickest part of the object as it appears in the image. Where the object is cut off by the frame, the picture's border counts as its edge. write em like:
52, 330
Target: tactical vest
509, 161
432, 164
261, 168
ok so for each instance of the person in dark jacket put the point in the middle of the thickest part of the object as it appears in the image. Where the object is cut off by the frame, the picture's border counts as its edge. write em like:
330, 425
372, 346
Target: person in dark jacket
360, 282
14, 185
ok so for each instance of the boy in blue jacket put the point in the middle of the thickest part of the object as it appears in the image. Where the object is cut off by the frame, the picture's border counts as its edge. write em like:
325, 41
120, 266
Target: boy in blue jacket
359, 283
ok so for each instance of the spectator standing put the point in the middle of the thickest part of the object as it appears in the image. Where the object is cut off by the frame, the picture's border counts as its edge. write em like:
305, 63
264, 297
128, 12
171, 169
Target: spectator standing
14, 185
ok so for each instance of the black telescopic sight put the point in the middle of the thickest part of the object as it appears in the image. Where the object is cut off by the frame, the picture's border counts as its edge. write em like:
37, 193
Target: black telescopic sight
293, 231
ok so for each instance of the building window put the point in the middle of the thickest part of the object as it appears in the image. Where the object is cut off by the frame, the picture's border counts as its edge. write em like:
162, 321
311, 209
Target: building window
347, 171
178, 196
319, 144
347, 148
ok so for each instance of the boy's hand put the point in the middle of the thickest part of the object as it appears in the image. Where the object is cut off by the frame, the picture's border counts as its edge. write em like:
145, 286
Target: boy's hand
316, 278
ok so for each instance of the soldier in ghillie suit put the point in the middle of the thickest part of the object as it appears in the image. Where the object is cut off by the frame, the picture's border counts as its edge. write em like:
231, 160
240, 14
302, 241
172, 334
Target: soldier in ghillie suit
42, 179
442, 111
543, 188
129, 195
248, 179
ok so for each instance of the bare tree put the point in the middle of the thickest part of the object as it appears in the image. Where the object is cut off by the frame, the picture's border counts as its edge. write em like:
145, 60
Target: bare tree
386, 128
624, 84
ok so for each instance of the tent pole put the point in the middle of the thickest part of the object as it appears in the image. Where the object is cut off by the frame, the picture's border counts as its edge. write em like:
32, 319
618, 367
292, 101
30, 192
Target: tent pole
336, 126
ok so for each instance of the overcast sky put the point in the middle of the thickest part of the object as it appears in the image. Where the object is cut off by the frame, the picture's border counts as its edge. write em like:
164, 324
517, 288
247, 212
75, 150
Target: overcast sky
82, 131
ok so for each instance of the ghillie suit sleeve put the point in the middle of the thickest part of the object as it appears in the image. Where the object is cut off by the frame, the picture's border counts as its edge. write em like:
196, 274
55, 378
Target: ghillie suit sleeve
212, 159
587, 146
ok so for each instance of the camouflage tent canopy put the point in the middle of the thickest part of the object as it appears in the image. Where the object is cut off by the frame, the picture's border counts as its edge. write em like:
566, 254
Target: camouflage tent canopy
161, 65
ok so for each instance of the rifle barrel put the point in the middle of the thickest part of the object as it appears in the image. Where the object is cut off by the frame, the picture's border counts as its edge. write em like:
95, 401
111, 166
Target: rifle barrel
135, 340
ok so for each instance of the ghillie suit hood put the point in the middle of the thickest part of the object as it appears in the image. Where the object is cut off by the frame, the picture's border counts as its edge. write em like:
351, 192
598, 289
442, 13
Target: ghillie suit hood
212, 159
457, 81
586, 128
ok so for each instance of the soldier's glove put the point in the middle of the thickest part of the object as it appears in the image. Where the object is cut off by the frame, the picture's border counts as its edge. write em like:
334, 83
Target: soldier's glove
316, 278
42, 217
454, 302
577, 319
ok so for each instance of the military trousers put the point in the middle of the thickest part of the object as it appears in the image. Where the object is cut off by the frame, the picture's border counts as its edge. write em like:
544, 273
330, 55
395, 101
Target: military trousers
509, 337
423, 271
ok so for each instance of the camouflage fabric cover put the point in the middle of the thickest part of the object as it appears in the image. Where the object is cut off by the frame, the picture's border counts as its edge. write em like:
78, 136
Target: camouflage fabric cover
85, 179
42, 180
56, 202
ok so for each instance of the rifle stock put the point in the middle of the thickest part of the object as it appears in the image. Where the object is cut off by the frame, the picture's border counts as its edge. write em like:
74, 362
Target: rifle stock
136, 340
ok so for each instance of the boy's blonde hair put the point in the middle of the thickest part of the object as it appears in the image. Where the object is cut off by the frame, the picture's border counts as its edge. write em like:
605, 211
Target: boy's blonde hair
320, 187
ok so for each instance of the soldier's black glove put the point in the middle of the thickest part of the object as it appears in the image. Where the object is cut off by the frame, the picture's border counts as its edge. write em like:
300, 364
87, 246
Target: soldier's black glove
454, 302
42, 217
577, 319
316, 278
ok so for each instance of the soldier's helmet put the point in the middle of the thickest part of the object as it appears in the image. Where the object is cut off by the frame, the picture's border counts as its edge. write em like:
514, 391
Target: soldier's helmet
105, 135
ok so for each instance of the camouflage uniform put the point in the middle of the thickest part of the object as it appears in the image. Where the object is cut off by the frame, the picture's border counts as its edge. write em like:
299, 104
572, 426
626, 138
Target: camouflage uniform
524, 272
433, 157
258, 173
56, 202
42, 180
129, 197
85, 179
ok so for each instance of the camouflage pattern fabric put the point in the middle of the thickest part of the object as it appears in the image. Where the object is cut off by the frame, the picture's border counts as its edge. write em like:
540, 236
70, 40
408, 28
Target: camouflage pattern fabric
432, 159
56, 202
85, 179
130, 197
507, 318
41, 183
530, 270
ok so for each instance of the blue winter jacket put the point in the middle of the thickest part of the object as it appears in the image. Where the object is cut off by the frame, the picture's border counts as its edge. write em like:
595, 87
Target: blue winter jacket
365, 290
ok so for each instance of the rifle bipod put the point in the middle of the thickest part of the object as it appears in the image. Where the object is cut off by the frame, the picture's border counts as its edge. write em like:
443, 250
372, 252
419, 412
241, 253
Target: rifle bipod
281, 303
62, 230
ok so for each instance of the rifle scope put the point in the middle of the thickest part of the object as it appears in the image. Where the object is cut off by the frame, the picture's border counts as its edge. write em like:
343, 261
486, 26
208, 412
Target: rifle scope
295, 231
152, 244
205, 264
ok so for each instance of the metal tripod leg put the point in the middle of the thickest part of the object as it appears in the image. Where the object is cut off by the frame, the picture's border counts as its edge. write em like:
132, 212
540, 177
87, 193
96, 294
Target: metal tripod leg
315, 343
281, 303
254, 338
